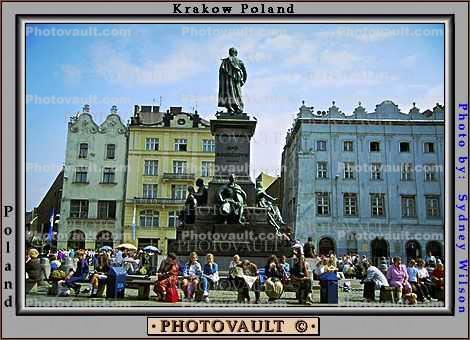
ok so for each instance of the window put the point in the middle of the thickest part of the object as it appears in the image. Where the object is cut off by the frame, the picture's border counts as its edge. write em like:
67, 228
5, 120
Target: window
321, 145
323, 203
83, 152
406, 172
151, 144
208, 145
350, 204
404, 147
178, 192
81, 174
432, 206
348, 145
430, 172
107, 210
109, 175
207, 169
428, 147
374, 146
348, 170
377, 204
322, 170
149, 218
110, 151
376, 171
179, 167
181, 145
150, 190
150, 168
408, 206
172, 219
79, 208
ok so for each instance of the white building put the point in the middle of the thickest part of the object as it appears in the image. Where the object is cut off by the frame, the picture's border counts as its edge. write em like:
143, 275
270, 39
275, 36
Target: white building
371, 183
94, 182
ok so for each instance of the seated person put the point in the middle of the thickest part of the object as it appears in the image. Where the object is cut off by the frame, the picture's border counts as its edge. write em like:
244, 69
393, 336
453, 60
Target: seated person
417, 287
192, 277
275, 276
301, 279
99, 277
210, 272
425, 280
80, 274
437, 277
246, 278
375, 279
284, 264
167, 279
33, 269
397, 277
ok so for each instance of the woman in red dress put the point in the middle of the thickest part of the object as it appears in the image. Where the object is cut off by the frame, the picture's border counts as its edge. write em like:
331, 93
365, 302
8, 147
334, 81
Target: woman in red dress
167, 280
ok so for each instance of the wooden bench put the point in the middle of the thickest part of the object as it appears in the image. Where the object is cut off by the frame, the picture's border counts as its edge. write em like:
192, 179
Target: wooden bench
142, 284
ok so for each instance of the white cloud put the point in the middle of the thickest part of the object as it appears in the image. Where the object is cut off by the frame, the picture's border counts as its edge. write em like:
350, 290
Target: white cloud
409, 60
71, 73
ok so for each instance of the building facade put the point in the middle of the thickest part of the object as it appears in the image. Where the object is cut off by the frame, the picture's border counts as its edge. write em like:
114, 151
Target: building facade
167, 152
94, 182
369, 182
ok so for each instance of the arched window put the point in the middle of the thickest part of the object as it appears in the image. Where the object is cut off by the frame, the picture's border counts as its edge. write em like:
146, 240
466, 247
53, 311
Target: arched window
76, 240
104, 238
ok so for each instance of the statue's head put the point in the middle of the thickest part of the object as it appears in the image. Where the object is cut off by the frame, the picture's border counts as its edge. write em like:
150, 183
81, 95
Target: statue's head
232, 52
232, 178
199, 182
191, 189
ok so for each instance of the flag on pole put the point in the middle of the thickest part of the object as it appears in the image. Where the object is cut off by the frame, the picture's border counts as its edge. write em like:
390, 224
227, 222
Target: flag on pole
133, 224
51, 226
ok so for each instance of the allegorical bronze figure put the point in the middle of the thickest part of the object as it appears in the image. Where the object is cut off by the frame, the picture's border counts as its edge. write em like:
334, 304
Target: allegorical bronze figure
232, 76
232, 200
264, 200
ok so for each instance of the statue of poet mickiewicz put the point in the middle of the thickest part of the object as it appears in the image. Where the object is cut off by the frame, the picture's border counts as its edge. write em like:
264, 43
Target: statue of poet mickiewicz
232, 76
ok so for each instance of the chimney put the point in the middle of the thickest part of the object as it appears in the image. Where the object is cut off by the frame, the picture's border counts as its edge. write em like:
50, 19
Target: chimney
176, 109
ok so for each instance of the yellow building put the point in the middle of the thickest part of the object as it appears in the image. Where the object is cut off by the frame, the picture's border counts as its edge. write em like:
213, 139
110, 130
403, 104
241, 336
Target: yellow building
167, 151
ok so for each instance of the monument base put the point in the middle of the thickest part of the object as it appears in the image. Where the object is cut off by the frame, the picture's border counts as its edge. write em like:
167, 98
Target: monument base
255, 240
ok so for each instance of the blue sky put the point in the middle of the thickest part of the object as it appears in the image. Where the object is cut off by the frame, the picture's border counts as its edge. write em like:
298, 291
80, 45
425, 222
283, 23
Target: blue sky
68, 65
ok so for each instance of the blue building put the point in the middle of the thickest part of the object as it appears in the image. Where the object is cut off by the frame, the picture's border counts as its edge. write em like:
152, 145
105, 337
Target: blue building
370, 183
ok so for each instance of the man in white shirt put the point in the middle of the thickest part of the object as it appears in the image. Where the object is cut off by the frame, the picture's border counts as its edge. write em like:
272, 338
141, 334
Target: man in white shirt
375, 279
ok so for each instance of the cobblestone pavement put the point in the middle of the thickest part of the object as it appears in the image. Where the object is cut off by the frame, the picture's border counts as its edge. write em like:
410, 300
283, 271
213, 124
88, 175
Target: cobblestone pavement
217, 299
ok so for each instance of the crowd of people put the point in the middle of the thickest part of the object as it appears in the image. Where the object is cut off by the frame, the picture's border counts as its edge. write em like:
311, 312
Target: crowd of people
422, 280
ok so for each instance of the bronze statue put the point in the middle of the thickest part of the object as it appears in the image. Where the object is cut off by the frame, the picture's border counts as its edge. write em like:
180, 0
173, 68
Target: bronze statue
232, 200
201, 194
264, 200
232, 76
188, 214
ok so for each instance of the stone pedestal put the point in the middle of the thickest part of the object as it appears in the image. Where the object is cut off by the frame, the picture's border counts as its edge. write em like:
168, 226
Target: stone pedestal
232, 154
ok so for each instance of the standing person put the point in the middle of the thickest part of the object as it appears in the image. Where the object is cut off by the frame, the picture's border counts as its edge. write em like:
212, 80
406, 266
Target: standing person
167, 279
430, 258
210, 272
397, 277
192, 277
275, 275
301, 279
375, 279
309, 248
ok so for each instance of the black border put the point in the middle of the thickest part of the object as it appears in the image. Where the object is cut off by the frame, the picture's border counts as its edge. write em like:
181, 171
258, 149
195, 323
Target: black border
265, 20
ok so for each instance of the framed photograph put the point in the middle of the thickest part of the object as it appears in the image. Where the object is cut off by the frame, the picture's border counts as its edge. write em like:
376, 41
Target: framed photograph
235, 169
